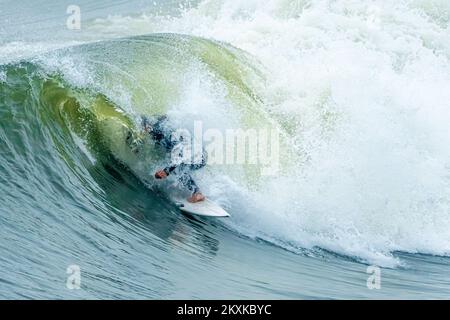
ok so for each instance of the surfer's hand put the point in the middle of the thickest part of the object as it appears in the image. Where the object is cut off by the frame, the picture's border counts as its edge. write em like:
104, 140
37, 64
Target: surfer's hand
161, 174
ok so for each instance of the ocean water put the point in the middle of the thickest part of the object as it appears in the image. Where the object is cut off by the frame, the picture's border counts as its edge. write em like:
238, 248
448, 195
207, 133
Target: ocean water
360, 91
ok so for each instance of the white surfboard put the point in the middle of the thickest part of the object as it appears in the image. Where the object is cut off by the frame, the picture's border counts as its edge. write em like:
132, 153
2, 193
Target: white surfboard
205, 208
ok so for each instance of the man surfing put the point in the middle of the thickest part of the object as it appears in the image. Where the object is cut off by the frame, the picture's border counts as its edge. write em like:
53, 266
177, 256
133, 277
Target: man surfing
181, 164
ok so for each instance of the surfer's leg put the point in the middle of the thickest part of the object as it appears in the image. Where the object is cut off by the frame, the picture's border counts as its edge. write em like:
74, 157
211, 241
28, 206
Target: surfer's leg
188, 182
201, 163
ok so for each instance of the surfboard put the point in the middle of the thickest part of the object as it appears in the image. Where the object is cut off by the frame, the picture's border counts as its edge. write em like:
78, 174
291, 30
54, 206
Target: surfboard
206, 208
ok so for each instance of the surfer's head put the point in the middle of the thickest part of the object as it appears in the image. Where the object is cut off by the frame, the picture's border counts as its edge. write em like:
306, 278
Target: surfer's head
150, 124
146, 124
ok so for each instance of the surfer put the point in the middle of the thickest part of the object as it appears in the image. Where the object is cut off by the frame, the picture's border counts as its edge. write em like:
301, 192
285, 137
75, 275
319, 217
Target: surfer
180, 164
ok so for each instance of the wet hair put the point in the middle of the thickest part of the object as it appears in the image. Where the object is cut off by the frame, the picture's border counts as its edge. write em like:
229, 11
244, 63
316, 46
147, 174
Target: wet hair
153, 122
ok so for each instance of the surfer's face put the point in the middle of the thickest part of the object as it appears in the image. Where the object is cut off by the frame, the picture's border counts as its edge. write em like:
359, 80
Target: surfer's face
148, 128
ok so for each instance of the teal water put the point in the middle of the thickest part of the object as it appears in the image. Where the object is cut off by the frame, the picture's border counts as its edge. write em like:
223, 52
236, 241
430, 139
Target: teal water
362, 101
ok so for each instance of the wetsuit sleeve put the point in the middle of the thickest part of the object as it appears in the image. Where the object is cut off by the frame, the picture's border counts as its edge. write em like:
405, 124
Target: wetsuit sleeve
169, 169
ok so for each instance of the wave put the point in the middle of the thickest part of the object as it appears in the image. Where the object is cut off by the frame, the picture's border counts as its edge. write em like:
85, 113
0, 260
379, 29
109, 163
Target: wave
361, 101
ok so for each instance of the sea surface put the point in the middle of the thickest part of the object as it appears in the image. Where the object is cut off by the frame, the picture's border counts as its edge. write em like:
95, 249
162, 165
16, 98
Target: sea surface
359, 207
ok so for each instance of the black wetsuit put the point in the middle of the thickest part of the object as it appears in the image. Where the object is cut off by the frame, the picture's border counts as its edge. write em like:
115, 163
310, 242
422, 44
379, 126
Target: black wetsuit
162, 135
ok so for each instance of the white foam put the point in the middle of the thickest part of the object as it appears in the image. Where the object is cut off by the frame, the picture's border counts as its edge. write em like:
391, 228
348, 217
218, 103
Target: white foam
367, 87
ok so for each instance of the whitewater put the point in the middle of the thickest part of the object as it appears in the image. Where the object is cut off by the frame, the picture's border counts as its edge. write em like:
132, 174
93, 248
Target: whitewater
359, 90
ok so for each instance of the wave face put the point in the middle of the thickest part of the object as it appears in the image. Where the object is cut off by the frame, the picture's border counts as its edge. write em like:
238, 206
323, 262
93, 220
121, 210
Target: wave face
360, 91
363, 90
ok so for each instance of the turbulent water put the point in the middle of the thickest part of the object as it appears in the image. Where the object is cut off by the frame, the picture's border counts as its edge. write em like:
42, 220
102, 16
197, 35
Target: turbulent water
359, 91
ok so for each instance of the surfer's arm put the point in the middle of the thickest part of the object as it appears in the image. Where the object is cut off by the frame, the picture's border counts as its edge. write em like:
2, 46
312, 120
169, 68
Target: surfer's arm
164, 173
169, 169
176, 162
